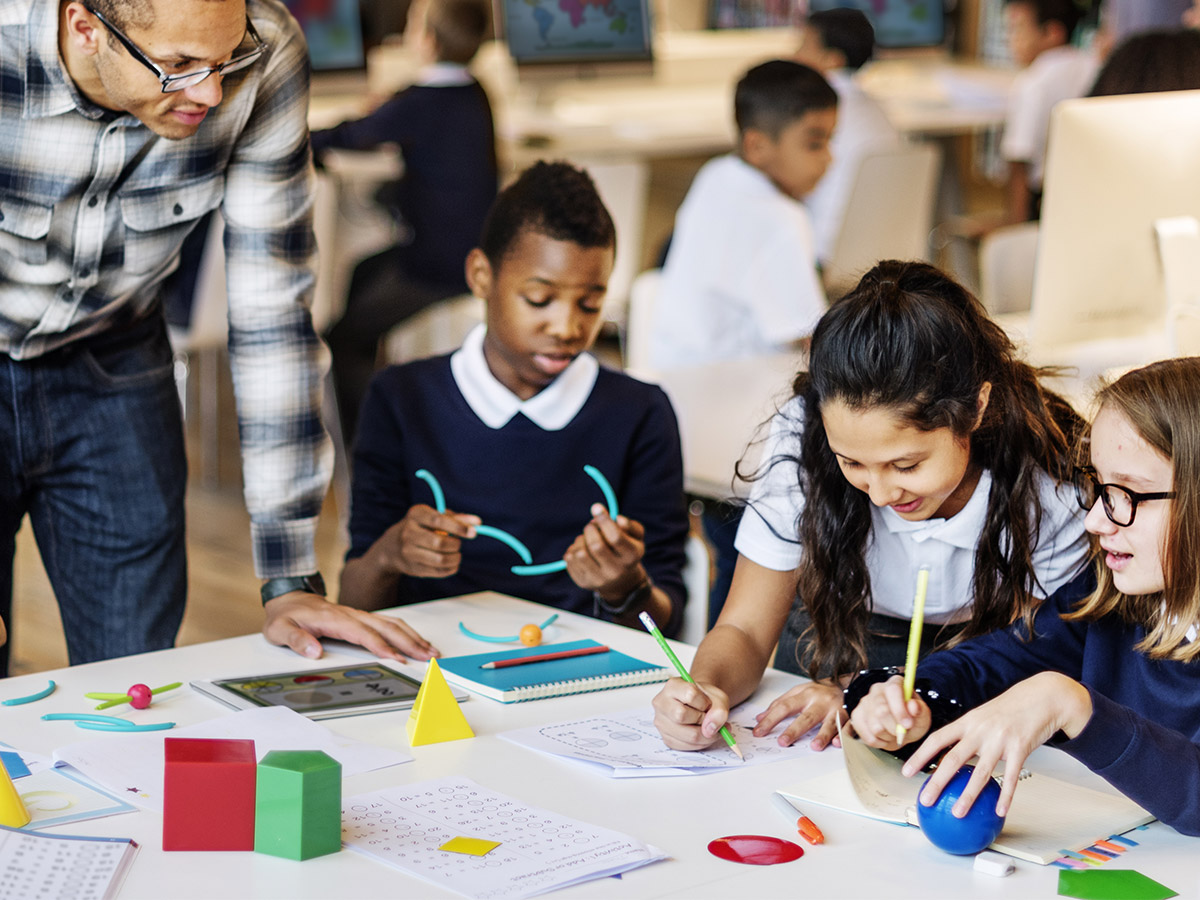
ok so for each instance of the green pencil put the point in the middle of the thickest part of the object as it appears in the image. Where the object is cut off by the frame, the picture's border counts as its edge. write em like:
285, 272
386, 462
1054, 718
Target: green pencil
683, 673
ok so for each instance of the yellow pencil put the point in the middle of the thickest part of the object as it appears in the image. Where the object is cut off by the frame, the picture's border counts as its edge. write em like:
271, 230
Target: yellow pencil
914, 641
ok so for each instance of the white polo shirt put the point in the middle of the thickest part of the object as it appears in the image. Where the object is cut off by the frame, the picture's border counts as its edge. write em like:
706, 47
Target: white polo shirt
1061, 73
740, 278
897, 548
552, 408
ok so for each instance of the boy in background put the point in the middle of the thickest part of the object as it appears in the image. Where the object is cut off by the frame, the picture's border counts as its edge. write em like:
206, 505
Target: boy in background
506, 426
740, 276
1039, 38
443, 127
837, 43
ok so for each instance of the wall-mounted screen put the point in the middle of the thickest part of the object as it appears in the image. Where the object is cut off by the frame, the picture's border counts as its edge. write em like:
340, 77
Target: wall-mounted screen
898, 23
333, 29
575, 32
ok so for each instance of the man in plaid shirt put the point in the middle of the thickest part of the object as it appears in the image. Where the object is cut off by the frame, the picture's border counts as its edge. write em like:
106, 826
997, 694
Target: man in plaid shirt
122, 123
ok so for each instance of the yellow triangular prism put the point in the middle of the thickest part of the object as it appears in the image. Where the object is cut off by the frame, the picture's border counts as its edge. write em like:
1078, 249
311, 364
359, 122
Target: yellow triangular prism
436, 717
12, 809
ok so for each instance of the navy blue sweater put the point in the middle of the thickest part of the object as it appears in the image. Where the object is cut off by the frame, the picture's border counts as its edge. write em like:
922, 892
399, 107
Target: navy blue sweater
1144, 734
520, 478
446, 136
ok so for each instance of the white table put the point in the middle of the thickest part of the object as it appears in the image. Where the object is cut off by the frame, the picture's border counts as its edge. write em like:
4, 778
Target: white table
681, 815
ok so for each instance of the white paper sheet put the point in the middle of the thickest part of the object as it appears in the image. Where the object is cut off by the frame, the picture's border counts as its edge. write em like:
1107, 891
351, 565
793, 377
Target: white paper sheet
630, 746
539, 850
132, 765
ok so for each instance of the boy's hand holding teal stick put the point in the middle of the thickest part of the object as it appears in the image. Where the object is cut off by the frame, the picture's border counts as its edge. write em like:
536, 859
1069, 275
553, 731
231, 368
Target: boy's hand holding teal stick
683, 673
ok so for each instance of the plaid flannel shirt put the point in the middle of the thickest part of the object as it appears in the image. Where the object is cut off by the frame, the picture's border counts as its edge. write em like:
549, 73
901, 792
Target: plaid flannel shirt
94, 208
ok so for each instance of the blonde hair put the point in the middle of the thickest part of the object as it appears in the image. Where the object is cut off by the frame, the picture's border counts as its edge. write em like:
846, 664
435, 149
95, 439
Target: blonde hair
1162, 403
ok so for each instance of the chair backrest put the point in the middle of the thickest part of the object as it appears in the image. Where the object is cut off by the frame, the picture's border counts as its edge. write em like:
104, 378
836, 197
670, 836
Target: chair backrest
437, 329
639, 320
1006, 261
1178, 240
889, 214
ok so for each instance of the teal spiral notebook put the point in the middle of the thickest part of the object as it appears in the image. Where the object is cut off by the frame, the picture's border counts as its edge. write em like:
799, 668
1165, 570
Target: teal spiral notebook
552, 678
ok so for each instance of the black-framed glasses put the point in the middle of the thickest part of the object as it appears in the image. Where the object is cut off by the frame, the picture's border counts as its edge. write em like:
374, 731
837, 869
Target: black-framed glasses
181, 82
1120, 503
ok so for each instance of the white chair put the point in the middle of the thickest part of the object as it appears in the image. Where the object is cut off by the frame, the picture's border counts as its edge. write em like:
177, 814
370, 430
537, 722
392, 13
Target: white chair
1006, 261
1179, 252
639, 320
437, 329
889, 214
696, 578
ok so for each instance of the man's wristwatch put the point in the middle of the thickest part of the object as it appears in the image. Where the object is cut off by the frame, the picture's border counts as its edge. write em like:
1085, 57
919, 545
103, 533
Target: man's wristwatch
277, 587
639, 596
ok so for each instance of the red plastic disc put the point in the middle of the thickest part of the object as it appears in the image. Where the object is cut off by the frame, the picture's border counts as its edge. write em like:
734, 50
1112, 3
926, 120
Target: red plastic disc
755, 849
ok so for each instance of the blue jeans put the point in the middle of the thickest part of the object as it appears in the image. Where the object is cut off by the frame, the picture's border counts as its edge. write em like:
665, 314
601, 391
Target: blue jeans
91, 448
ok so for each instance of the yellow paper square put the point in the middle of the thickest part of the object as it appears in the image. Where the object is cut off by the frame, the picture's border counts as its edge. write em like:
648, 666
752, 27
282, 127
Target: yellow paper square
472, 846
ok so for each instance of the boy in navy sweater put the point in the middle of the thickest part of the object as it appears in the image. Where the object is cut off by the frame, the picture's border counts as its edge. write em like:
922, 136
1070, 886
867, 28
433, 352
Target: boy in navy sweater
443, 127
505, 427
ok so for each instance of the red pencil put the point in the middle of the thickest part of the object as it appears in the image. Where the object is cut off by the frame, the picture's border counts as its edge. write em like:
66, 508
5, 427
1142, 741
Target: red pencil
543, 657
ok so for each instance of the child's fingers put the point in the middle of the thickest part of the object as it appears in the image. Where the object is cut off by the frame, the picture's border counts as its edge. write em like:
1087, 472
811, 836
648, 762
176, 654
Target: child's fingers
459, 525
978, 780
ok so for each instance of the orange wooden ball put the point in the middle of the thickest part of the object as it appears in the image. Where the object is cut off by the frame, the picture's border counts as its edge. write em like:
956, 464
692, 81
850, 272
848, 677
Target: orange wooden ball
531, 635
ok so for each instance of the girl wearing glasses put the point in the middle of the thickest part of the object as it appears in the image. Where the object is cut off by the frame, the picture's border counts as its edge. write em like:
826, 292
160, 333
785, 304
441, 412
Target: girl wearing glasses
1112, 672
916, 437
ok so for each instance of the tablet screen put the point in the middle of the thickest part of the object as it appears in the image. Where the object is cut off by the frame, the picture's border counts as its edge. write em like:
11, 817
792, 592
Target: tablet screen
356, 687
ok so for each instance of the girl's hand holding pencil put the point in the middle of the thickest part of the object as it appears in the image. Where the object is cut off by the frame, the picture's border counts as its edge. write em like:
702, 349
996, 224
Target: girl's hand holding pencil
883, 708
689, 716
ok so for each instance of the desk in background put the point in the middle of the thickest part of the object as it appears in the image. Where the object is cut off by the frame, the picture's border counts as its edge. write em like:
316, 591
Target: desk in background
861, 858
616, 127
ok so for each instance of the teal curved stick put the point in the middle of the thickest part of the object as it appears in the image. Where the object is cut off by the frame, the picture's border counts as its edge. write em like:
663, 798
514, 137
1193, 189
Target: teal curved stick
439, 498
104, 726
104, 723
486, 637
505, 538
610, 496
502, 640
541, 568
40, 695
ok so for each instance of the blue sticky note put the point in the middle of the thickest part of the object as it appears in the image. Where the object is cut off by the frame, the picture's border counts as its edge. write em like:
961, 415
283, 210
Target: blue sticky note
13, 764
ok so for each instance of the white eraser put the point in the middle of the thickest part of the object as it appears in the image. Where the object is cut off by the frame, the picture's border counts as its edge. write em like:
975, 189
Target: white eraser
989, 862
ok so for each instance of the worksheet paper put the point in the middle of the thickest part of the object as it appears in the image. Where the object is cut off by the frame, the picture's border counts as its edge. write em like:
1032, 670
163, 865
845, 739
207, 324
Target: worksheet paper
538, 850
629, 746
132, 765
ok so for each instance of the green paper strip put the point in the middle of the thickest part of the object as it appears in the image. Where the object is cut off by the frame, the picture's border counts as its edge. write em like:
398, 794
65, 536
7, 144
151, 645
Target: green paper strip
1111, 884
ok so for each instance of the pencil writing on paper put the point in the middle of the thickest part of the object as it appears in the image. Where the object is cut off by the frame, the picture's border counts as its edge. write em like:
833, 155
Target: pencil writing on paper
645, 619
543, 657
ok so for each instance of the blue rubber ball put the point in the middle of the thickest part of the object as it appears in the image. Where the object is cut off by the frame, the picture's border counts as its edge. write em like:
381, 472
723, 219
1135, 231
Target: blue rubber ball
974, 831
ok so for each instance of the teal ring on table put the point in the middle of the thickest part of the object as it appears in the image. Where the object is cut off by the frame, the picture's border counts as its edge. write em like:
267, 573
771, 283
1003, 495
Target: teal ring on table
501, 640
40, 695
104, 723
